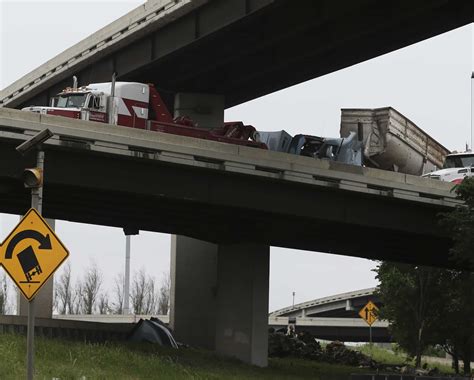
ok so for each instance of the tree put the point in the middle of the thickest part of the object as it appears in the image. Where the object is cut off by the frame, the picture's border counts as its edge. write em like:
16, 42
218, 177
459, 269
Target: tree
103, 304
4, 295
457, 325
117, 304
64, 291
164, 295
410, 295
88, 289
460, 224
142, 293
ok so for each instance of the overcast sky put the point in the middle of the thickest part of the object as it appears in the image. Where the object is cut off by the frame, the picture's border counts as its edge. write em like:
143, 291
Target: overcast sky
428, 82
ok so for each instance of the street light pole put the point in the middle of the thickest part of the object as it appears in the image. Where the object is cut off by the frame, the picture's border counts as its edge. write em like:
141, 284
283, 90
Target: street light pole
126, 285
128, 231
293, 300
472, 105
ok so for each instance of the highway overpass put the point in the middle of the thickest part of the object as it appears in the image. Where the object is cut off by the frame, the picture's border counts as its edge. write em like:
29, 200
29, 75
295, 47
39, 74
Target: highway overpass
221, 193
239, 49
344, 305
334, 317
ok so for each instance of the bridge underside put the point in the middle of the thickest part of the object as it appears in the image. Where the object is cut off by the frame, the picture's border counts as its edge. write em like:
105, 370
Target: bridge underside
87, 187
246, 49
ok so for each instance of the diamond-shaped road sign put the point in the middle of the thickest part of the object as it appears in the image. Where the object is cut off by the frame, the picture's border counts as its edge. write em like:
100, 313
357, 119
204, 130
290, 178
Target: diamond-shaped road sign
369, 313
32, 253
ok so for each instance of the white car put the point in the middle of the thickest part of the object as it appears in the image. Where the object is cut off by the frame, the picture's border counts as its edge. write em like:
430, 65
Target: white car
456, 167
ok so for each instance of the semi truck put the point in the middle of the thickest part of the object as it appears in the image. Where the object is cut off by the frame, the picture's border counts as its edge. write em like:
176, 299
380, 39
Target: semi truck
381, 138
138, 105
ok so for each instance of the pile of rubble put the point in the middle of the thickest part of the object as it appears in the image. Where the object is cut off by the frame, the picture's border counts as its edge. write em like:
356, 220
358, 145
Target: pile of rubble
303, 345
337, 352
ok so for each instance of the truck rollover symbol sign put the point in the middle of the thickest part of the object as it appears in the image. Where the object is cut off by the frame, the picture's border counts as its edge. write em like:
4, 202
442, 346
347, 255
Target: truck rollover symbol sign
32, 253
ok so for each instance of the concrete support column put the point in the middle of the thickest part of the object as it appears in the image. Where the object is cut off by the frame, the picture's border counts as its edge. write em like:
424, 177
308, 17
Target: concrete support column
233, 321
193, 262
207, 110
242, 302
44, 298
193, 291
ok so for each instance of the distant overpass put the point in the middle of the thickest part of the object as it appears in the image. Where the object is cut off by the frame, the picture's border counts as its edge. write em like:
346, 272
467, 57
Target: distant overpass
222, 193
344, 305
240, 49
334, 317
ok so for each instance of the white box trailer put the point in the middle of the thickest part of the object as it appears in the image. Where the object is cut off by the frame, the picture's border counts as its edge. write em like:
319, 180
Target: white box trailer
393, 142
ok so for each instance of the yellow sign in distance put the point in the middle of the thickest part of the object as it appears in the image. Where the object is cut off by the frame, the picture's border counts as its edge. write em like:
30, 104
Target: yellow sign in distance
369, 313
32, 253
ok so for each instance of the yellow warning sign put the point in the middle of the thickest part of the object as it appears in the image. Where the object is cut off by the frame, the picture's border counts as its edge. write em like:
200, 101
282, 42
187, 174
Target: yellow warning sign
369, 313
32, 253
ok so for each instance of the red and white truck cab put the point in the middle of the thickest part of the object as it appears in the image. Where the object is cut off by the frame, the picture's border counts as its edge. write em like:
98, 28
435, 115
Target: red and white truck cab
138, 105
94, 102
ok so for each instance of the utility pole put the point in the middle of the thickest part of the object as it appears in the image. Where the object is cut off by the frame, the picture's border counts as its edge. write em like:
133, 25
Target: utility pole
293, 300
33, 178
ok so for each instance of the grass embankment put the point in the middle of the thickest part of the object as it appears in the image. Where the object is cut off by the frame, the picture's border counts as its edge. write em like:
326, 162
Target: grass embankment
74, 360
398, 358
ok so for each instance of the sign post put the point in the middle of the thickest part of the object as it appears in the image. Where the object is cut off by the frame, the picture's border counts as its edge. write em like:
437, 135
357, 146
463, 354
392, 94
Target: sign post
36, 203
32, 252
369, 313
30, 255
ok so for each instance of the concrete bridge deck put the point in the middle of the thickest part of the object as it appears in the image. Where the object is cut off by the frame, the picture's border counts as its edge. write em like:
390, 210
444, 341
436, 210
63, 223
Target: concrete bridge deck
108, 175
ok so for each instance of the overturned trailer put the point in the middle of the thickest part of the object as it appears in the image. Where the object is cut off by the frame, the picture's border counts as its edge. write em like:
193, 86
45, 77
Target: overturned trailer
381, 138
391, 141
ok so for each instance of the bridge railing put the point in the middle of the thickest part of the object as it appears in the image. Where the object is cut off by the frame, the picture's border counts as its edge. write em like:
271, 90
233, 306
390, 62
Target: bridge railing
173, 149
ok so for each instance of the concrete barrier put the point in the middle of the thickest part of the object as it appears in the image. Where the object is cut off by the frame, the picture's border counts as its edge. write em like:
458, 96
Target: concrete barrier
95, 332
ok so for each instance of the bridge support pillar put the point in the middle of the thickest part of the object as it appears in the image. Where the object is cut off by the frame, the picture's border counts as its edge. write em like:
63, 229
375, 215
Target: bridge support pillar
207, 110
193, 291
242, 302
44, 298
219, 293
219, 297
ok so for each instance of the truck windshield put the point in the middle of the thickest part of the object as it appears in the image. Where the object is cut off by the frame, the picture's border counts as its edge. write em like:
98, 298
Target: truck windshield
460, 161
71, 101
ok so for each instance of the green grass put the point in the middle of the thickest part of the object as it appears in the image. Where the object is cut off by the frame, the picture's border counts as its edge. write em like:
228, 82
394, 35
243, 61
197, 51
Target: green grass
382, 355
385, 356
74, 360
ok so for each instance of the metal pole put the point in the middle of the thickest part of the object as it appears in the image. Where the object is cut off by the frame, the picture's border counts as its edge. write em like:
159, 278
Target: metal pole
126, 285
293, 300
370, 335
37, 203
472, 99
